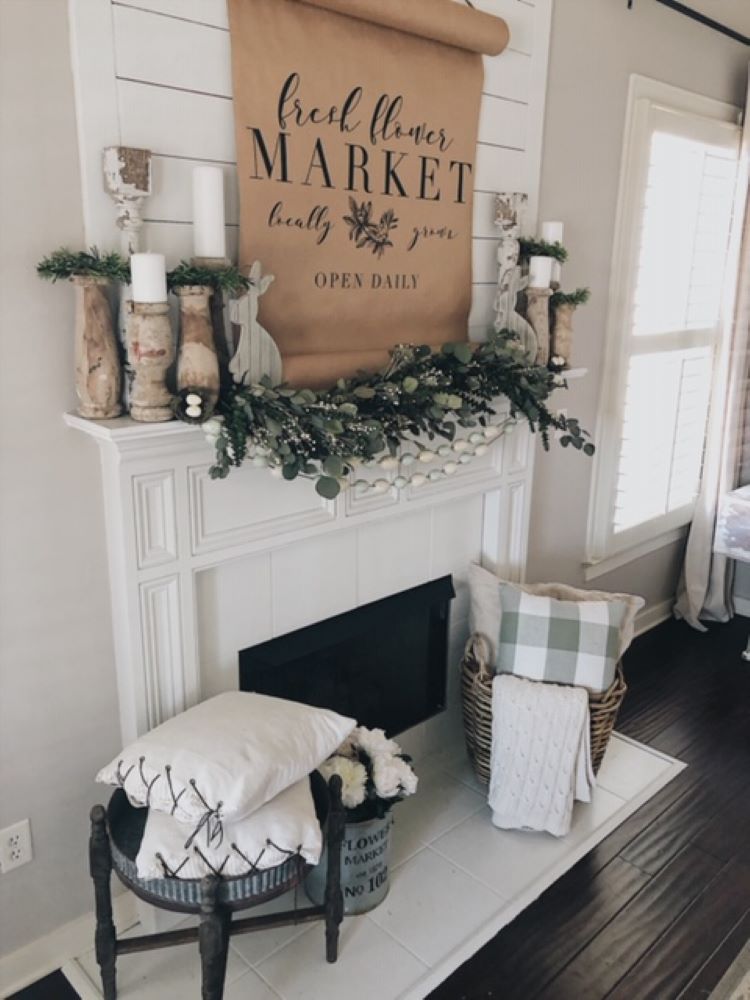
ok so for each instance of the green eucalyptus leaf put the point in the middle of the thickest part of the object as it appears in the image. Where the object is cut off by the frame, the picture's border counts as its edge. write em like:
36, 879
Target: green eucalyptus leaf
463, 352
328, 487
410, 384
333, 466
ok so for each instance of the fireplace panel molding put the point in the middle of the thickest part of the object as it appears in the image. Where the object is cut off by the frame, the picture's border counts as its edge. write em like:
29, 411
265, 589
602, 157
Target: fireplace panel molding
232, 512
155, 519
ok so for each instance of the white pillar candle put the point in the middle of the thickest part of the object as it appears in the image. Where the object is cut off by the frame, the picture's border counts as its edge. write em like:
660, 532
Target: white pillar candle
540, 272
209, 235
149, 280
552, 232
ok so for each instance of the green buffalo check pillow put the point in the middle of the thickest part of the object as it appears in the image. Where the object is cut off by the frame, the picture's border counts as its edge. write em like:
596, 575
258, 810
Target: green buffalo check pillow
550, 632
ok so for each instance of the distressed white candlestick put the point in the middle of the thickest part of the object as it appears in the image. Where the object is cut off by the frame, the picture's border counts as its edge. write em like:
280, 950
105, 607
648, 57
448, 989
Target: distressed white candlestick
209, 235
148, 277
540, 272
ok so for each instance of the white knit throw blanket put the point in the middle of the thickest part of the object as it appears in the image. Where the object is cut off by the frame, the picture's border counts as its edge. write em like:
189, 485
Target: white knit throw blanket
541, 756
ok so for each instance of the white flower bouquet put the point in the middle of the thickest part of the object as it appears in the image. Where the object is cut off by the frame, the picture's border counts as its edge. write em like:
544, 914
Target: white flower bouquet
374, 772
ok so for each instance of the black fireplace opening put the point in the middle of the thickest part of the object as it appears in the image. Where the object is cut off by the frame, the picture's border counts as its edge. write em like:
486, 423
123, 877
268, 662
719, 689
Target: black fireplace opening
384, 664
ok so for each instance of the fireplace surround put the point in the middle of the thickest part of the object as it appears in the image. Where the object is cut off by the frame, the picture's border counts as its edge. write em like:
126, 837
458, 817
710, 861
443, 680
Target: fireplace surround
199, 569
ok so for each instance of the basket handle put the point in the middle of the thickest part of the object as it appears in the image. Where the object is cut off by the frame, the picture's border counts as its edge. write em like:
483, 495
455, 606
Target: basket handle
478, 649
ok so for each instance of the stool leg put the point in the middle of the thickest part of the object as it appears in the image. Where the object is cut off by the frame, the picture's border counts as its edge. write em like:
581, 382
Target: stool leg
100, 866
334, 898
213, 937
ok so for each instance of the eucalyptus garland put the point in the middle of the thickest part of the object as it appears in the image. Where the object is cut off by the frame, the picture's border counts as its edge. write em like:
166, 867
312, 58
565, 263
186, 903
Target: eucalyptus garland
324, 435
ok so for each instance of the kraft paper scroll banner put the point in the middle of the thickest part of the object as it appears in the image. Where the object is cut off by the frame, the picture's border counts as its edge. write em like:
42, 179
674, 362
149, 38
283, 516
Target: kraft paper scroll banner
356, 125
440, 20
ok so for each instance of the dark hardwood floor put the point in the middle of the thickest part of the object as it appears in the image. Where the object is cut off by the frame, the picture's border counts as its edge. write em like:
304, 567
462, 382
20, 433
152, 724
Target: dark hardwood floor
661, 908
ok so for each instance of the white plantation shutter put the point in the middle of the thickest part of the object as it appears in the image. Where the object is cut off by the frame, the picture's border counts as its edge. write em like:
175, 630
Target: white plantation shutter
676, 210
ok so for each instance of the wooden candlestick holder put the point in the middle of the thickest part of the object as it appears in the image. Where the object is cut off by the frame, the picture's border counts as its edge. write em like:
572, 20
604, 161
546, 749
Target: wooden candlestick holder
197, 360
151, 352
98, 376
223, 340
537, 313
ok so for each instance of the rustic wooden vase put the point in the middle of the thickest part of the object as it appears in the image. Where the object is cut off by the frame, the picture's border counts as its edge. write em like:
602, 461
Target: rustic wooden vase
537, 313
151, 352
197, 359
562, 336
98, 374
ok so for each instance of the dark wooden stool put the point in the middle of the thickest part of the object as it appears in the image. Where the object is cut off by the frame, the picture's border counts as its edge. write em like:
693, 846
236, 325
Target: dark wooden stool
115, 838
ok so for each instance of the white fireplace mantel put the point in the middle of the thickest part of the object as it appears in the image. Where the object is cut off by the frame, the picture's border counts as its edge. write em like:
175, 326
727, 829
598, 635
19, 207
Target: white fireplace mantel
168, 524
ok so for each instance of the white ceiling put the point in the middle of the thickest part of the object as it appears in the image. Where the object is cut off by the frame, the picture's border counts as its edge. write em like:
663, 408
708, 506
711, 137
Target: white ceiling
733, 13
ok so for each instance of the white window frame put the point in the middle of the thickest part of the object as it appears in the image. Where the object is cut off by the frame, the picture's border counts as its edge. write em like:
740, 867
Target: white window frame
605, 549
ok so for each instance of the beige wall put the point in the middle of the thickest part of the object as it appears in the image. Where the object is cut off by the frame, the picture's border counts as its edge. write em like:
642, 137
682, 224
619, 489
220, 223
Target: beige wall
58, 718
596, 45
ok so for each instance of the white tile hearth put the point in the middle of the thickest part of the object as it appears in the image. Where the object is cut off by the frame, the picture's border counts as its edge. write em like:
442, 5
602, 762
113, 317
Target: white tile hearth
429, 887
371, 966
456, 881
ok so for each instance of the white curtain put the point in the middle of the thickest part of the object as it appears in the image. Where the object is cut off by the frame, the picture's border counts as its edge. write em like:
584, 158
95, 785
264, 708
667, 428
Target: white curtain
705, 590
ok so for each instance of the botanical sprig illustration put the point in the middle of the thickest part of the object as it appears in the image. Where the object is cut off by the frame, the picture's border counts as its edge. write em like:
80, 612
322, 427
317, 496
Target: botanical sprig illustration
365, 231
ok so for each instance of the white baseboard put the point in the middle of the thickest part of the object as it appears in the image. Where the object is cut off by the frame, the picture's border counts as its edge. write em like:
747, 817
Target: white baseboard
741, 606
54, 950
653, 615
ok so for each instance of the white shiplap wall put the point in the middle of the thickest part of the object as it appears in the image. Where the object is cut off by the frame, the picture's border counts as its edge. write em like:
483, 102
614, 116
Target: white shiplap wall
156, 74
253, 558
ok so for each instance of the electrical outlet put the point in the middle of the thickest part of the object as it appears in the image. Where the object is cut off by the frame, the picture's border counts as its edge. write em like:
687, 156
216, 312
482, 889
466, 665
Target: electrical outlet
15, 846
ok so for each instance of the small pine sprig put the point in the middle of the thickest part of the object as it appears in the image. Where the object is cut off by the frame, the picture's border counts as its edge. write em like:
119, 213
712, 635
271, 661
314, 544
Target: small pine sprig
228, 279
541, 248
64, 263
577, 298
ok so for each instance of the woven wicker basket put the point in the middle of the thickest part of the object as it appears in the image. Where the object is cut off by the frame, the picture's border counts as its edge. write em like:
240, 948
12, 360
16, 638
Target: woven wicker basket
476, 695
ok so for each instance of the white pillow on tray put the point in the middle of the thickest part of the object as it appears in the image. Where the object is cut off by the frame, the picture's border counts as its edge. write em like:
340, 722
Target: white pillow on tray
226, 757
283, 827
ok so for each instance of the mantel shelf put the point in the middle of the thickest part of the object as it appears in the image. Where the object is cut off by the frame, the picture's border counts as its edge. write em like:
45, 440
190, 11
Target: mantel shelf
574, 373
121, 430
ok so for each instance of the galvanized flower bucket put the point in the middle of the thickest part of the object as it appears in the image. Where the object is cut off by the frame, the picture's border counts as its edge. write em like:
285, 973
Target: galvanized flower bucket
364, 866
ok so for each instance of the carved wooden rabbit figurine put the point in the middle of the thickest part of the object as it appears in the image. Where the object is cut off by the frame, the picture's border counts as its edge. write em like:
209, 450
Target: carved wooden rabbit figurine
257, 353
